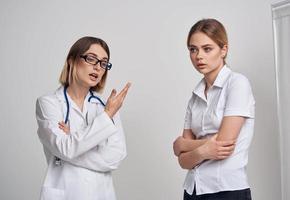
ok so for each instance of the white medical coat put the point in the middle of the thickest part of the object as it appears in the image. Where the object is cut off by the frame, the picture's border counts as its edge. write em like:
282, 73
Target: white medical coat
94, 147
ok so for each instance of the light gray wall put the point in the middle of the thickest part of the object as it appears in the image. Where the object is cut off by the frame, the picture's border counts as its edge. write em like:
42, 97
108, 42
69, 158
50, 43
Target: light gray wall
147, 41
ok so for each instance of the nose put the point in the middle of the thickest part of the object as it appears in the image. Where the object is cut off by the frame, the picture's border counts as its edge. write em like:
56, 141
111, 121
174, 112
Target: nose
199, 55
97, 66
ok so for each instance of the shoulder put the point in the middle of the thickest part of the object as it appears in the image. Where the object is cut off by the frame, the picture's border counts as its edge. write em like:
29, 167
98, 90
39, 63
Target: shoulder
49, 99
235, 76
238, 87
49, 106
238, 80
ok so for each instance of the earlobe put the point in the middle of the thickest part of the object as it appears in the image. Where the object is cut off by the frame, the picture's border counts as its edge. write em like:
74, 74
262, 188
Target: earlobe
224, 51
69, 63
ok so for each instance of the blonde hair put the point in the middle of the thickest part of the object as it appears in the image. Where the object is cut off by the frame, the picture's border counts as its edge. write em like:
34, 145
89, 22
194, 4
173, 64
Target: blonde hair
68, 73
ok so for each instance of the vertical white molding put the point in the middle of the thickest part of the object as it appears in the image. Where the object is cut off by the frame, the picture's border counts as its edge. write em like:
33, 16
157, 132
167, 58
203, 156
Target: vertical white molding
280, 10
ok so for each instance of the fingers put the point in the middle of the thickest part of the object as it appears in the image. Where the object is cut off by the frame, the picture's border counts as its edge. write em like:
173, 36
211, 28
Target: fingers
127, 86
226, 143
124, 91
223, 142
225, 152
61, 125
64, 127
113, 94
122, 94
228, 148
115, 100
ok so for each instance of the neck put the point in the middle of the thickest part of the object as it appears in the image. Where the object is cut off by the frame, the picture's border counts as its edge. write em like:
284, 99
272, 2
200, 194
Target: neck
77, 92
210, 77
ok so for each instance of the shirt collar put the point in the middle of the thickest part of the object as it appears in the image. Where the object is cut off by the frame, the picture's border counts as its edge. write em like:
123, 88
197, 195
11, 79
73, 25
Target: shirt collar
199, 89
60, 96
219, 82
222, 76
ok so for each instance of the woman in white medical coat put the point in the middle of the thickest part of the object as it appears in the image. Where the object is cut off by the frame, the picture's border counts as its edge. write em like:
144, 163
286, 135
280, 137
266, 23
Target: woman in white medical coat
219, 121
82, 137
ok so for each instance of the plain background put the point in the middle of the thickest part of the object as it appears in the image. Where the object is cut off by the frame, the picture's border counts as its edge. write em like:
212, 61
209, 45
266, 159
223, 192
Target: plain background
148, 45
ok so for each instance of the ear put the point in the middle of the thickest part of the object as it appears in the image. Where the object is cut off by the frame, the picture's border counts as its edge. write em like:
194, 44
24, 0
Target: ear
224, 51
69, 62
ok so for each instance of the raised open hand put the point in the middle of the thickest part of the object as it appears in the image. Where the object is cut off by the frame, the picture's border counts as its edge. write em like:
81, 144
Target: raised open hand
115, 100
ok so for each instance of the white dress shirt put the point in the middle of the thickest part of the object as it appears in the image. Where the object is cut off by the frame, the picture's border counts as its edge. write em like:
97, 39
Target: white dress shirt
230, 95
94, 147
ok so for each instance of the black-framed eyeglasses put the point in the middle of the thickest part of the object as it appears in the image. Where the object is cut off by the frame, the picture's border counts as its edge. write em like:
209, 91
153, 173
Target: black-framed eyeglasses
94, 61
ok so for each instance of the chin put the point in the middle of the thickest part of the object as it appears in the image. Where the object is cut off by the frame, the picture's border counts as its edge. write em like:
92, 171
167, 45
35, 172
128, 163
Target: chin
94, 84
203, 71
90, 84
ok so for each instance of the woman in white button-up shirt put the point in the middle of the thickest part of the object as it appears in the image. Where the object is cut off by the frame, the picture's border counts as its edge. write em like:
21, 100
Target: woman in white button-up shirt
219, 121
82, 138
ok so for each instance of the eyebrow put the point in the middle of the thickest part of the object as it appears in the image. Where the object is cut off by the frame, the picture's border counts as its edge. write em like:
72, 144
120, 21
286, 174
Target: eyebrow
95, 55
206, 45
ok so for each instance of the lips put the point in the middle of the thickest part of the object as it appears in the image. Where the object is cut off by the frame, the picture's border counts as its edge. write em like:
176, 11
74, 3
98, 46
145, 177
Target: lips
93, 76
200, 64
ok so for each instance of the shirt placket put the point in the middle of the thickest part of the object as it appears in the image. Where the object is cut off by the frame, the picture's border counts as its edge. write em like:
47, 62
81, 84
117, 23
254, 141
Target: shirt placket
206, 104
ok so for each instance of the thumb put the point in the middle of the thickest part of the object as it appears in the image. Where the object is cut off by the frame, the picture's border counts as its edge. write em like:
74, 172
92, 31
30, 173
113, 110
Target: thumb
113, 94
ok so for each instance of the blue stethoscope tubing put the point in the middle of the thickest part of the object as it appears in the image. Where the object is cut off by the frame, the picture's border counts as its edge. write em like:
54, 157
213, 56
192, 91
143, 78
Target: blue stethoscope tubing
67, 103
57, 160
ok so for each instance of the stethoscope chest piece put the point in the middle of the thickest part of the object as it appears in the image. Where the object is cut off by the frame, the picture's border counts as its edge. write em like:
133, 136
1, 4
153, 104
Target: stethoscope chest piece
57, 161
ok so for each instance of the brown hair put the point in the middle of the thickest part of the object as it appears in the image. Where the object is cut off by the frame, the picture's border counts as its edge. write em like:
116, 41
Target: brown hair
213, 29
68, 73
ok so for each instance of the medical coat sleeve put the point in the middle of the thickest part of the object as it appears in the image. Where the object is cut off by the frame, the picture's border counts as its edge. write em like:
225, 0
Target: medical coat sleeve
108, 155
68, 147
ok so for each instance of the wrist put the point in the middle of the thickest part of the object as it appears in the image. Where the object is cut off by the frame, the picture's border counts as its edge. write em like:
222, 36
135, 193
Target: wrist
108, 113
201, 152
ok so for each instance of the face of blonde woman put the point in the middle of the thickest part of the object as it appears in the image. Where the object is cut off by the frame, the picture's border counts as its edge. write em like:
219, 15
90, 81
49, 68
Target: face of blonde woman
205, 54
89, 70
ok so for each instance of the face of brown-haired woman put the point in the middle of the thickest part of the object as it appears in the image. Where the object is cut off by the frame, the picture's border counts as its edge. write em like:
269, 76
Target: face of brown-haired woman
91, 66
206, 56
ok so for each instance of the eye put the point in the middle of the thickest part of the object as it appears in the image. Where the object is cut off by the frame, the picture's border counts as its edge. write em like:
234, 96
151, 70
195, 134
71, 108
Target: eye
207, 49
91, 59
104, 64
192, 49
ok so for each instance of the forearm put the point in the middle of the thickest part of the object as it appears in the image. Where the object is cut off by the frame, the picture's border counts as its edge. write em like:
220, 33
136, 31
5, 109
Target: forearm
191, 145
189, 160
108, 155
186, 143
74, 144
104, 160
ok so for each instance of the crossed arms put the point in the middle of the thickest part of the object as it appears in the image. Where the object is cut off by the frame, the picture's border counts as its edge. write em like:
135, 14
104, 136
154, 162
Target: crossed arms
192, 151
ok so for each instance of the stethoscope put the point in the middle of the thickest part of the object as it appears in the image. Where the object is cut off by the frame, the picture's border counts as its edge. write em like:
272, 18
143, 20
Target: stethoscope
57, 160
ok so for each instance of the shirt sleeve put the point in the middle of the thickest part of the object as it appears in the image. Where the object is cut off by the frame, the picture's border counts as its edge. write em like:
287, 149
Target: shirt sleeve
239, 100
188, 114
